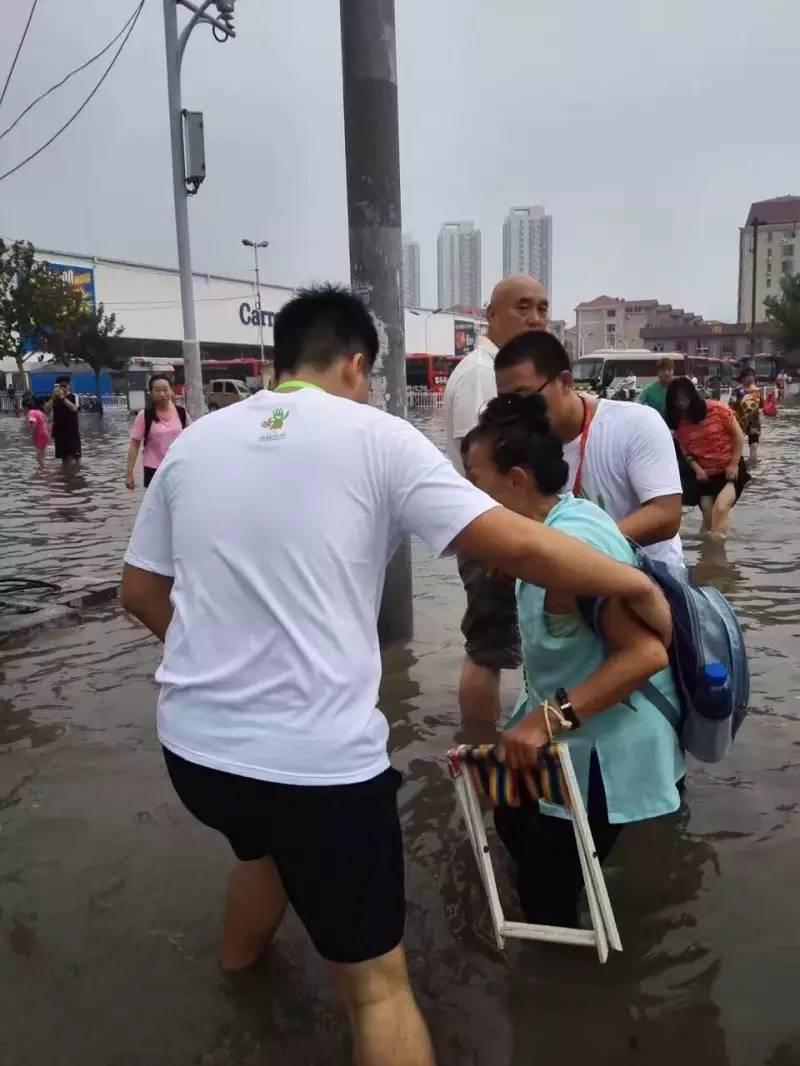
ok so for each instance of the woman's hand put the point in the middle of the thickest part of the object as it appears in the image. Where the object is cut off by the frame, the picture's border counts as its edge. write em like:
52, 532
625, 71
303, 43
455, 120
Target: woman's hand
520, 746
732, 471
699, 472
130, 482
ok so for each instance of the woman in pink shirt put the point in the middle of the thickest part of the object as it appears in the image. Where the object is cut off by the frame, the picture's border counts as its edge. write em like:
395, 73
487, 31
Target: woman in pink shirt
156, 428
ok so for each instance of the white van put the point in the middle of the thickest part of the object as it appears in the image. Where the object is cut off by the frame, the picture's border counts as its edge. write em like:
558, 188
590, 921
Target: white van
621, 373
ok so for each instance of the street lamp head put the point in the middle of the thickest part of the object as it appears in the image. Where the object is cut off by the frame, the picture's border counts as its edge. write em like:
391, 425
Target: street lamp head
246, 243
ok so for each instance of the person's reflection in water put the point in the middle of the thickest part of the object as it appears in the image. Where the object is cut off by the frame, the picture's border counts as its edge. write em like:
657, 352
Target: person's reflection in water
713, 568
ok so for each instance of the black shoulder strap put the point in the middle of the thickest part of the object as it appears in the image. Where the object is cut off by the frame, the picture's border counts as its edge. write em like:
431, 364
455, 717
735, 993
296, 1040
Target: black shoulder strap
181, 414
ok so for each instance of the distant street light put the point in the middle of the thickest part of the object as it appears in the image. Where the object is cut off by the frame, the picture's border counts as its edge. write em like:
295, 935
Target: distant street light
427, 315
255, 245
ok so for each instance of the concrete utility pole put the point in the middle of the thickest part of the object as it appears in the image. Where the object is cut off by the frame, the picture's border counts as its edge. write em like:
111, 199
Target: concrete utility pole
187, 148
255, 245
369, 75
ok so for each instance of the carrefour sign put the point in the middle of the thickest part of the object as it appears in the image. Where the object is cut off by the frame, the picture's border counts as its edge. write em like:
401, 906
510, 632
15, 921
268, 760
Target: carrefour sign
249, 316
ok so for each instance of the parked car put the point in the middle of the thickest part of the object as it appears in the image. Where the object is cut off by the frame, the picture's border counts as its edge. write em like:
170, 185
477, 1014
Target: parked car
223, 392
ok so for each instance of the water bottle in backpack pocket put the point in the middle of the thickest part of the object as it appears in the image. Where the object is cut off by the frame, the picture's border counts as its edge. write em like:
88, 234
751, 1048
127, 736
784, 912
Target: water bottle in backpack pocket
708, 659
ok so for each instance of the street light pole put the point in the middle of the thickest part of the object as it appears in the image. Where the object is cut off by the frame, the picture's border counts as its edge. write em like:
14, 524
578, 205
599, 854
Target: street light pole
175, 48
255, 245
372, 158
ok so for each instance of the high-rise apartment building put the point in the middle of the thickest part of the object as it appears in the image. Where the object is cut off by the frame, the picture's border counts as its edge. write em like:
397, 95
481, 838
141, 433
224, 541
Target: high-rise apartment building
528, 244
769, 246
459, 260
410, 272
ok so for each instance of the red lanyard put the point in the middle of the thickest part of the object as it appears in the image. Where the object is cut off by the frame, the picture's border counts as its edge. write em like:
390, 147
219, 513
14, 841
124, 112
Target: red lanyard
588, 415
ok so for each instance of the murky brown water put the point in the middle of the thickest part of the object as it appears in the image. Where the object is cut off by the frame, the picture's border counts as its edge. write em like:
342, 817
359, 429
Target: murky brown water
109, 893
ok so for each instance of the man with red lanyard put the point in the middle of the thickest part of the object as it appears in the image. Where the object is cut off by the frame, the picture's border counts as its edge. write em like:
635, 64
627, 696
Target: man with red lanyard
621, 455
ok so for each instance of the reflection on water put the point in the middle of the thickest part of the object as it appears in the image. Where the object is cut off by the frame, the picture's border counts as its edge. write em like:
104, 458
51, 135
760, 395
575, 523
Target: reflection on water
706, 900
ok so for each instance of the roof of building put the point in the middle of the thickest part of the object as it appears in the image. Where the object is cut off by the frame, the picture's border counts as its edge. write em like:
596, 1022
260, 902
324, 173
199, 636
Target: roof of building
773, 212
600, 301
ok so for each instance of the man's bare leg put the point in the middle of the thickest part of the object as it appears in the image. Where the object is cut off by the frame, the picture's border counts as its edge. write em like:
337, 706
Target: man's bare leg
479, 692
254, 906
386, 1024
753, 454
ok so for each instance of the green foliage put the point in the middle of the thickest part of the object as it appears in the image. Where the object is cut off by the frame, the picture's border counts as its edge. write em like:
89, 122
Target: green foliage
784, 311
93, 339
36, 303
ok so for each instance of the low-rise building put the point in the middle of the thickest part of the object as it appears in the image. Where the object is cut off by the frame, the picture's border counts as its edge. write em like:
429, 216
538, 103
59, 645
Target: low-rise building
611, 322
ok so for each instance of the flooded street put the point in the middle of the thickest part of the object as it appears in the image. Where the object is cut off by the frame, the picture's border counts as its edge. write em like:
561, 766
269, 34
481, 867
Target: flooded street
110, 893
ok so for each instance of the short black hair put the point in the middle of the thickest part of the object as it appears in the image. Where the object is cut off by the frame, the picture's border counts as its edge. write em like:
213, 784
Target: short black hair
697, 410
319, 326
64, 379
746, 372
519, 433
537, 346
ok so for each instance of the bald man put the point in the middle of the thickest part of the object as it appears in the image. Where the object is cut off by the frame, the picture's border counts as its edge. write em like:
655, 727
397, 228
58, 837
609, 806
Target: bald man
518, 304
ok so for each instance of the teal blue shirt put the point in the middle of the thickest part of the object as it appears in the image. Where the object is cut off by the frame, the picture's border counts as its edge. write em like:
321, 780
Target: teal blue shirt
637, 748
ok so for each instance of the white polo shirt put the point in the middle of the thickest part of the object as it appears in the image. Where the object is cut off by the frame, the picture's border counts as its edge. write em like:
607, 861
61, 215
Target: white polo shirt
276, 518
469, 388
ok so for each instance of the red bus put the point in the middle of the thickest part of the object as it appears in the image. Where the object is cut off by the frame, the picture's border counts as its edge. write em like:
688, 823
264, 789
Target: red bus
429, 371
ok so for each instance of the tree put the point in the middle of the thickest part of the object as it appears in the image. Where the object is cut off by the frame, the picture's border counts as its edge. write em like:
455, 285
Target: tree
92, 339
37, 306
784, 311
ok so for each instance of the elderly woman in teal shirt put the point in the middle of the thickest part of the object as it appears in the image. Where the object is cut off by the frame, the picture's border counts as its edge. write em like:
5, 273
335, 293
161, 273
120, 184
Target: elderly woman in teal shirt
602, 678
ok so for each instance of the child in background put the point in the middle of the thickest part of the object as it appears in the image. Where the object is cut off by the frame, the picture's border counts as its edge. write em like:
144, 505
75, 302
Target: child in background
40, 434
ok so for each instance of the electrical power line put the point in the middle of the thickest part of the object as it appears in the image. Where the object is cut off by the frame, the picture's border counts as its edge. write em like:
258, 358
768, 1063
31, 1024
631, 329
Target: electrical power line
19, 49
75, 115
65, 79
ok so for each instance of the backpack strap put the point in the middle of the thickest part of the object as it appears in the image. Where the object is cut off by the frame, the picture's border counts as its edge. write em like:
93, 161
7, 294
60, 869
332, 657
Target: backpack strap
181, 415
655, 696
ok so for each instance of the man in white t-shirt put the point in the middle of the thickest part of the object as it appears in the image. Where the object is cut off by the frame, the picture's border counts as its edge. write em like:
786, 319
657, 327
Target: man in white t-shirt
489, 625
621, 455
267, 603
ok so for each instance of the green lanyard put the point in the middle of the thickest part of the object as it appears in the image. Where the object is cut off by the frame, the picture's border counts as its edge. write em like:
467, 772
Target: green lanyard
296, 384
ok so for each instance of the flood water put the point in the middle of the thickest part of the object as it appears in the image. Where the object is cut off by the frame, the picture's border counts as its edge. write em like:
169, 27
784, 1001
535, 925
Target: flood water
110, 894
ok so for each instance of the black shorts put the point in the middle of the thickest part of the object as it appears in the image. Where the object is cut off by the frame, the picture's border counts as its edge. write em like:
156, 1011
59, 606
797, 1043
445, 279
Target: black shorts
338, 849
149, 474
694, 490
491, 633
754, 436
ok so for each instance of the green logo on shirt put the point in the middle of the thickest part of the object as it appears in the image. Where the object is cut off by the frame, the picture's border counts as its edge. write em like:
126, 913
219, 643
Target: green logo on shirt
276, 419
276, 424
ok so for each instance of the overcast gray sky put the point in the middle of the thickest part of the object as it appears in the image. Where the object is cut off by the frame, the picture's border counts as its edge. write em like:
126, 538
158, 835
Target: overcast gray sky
646, 127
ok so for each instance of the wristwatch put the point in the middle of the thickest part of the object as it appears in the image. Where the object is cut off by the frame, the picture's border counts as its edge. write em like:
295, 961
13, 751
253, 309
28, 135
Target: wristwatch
564, 705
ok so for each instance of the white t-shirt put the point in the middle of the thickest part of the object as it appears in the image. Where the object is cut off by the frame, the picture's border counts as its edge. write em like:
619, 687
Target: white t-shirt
276, 518
469, 388
630, 459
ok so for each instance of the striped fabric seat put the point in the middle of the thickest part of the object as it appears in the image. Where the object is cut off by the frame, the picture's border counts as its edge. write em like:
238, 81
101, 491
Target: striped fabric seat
503, 787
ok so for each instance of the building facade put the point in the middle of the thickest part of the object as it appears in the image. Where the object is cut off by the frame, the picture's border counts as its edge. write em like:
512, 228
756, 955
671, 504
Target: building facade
769, 248
459, 265
611, 322
411, 284
146, 301
528, 244
725, 342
